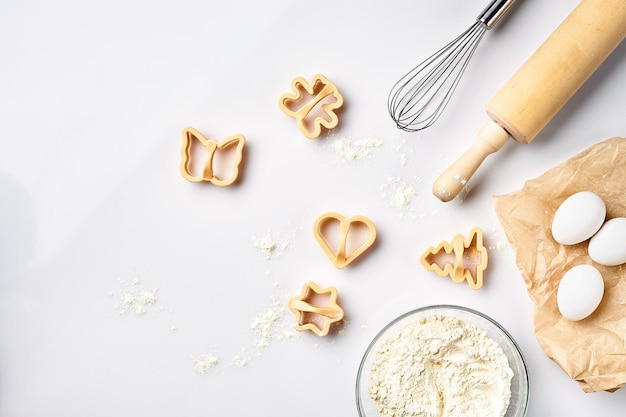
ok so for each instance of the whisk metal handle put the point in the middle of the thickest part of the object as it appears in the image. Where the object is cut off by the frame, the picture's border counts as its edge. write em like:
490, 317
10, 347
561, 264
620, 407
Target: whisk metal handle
494, 11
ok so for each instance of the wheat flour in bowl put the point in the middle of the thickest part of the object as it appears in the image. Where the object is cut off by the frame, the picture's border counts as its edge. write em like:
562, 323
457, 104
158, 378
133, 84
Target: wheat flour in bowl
440, 366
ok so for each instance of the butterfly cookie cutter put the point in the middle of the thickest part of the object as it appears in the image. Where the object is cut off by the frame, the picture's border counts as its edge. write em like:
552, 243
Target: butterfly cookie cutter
468, 254
190, 137
316, 308
340, 256
305, 101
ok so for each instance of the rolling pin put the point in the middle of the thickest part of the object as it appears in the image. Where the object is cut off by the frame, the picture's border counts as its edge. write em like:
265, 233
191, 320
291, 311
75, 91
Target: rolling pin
542, 86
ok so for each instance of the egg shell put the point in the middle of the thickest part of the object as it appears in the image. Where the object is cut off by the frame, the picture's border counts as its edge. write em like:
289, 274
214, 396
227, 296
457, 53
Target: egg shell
580, 291
578, 218
608, 246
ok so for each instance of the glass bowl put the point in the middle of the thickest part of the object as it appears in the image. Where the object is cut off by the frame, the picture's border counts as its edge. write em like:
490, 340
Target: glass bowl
519, 384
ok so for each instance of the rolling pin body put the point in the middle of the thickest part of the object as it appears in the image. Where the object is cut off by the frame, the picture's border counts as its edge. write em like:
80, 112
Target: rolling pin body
542, 86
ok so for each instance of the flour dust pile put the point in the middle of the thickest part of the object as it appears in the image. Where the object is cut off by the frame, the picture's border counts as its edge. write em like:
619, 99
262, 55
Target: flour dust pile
354, 150
270, 324
273, 244
439, 366
133, 297
205, 362
401, 195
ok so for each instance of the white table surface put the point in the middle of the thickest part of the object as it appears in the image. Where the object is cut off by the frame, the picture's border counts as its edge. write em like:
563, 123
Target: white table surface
93, 97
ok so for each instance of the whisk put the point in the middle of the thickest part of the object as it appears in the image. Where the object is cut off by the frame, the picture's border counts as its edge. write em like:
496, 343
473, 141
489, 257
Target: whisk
417, 100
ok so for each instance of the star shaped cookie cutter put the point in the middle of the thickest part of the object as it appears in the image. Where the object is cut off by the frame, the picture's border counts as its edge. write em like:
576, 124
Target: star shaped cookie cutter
468, 254
313, 104
190, 137
316, 308
341, 257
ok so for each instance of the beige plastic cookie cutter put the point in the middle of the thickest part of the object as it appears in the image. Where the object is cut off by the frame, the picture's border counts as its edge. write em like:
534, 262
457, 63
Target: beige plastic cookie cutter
316, 309
193, 138
467, 254
313, 104
360, 228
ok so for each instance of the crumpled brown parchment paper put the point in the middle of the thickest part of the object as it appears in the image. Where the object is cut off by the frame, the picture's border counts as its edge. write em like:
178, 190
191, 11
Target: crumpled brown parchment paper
591, 351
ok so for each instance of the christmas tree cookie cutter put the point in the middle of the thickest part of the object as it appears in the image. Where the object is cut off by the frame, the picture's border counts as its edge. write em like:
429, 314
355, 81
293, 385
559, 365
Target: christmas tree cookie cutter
341, 256
468, 261
211, 148
313, 104
316, 309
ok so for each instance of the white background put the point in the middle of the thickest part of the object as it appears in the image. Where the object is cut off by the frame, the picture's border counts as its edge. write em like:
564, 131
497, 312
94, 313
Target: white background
93, 96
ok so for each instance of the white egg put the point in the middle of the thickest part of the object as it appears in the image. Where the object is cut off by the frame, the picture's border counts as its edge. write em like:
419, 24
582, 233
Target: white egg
608, 246
578, 217
580, 291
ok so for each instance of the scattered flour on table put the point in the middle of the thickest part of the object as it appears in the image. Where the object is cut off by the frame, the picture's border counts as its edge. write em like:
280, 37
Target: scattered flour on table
240, 361
273, 244
274, 323
403, 153
439, 366
354, 150
271, 324
206, 362
498, 244
351, 150
398, 193
401, 195
211, 362
133, 297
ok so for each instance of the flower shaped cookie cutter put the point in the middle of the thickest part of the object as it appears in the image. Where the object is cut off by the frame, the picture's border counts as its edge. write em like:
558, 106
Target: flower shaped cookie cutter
211, 147
316, 308
313, 104
468, 254
342, 256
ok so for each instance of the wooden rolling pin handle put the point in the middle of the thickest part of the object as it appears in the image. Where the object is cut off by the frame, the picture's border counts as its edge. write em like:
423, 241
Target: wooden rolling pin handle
490, 139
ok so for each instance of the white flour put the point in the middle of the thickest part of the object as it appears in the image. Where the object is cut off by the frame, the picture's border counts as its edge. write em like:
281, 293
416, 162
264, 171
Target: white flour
274, 323
401, 195
440, 366
134, 297
272, 243
264, 324
398, 193
403, 153
498, 245
205, 363
351, 151
271, 324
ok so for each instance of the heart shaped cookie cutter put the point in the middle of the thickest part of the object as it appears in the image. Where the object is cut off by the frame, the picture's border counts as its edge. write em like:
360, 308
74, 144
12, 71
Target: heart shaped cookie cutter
465, 251
320, 92
340, 256
310, 315
211, 147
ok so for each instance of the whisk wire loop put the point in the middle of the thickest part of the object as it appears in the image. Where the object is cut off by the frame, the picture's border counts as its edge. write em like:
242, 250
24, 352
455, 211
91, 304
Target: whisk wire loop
418, 99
